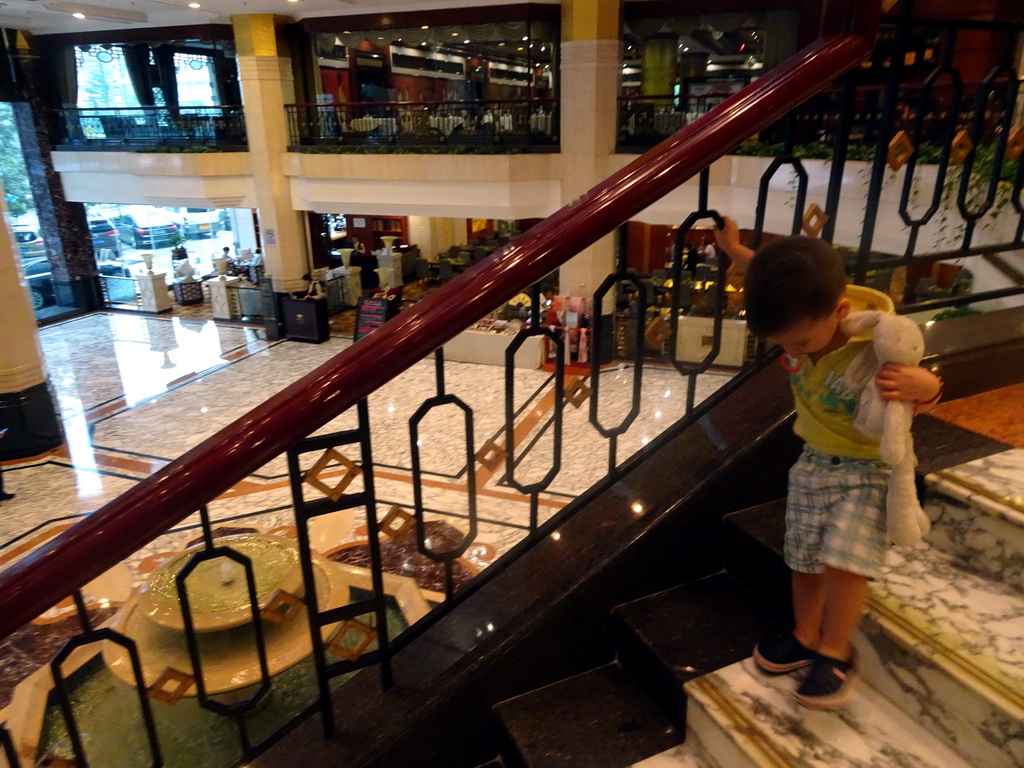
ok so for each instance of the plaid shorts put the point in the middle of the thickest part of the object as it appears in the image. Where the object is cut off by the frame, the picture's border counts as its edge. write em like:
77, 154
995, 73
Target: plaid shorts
835, 514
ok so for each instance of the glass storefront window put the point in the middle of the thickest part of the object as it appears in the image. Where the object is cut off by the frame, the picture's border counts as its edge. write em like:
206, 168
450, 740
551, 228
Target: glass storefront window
195, 77
103, 79
122, 233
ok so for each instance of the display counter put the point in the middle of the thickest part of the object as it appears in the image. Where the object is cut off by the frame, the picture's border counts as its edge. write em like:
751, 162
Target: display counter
488, 348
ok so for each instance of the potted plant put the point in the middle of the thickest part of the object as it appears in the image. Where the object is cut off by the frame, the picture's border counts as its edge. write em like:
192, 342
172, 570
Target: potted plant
178, 251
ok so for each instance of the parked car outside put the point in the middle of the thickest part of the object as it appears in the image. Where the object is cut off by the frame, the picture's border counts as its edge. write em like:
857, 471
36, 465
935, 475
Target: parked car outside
113, 269
200, 222
30, 244
146, 229
104, 236
40, 281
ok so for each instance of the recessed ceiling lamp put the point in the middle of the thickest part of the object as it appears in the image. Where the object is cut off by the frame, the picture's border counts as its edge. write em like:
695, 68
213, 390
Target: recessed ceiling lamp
97, 12
194, 5
425, 26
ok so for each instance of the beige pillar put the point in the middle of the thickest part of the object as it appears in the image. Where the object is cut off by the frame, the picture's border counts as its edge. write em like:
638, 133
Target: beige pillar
26, 407
265, 75
591, 64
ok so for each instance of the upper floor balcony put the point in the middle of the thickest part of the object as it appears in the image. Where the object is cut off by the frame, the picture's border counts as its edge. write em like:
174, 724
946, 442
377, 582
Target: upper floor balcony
486, 126
217, 128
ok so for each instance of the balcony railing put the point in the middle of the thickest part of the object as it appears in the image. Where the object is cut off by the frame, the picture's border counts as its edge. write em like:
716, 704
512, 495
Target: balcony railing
526, 125
137, 127
647, 120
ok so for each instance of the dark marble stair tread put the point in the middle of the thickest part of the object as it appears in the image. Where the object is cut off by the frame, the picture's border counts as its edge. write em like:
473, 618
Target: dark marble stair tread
754, 539
940, 444
598, 719
698, 627
764, 524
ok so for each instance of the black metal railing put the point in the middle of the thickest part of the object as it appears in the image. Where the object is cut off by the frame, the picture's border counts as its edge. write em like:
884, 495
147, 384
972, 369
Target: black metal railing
490, 124
647, 120
333, 475
118, 127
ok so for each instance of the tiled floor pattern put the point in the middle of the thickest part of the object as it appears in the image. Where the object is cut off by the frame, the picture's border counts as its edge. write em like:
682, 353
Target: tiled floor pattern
135, 392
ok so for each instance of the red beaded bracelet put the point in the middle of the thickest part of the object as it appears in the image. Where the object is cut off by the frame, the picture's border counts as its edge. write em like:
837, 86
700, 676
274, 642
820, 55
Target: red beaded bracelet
918, 405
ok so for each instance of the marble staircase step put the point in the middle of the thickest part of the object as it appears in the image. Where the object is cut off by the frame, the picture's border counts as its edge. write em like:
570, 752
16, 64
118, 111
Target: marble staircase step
671, 637
977, 513
746, 719
690, 754
938, 639
948, 644
598, 719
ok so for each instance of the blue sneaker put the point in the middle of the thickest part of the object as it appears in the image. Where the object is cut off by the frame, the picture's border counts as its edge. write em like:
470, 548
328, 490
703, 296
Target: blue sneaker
782, 653
829, 684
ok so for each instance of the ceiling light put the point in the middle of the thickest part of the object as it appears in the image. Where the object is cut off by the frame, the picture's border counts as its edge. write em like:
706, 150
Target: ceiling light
97, 12
466, 42
525, 37
520, 48
193, 5
425, 26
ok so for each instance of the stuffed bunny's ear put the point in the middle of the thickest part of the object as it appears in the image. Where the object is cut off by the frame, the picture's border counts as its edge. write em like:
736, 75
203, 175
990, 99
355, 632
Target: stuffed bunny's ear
856, 323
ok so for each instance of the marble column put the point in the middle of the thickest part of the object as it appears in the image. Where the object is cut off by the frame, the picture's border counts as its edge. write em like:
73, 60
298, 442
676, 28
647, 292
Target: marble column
591, 63
265, 74
63, 225
27, 408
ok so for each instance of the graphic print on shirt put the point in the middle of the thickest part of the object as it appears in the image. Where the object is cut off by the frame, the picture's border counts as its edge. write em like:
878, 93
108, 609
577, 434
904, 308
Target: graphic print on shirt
833, 392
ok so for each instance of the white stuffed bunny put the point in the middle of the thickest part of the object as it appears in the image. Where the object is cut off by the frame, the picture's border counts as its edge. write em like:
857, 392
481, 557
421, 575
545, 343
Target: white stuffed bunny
896, 340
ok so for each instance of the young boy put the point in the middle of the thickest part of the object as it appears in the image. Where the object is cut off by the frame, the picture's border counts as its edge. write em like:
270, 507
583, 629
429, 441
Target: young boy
796, 294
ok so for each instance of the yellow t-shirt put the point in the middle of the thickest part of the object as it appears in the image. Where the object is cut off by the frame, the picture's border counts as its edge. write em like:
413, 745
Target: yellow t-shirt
824, 404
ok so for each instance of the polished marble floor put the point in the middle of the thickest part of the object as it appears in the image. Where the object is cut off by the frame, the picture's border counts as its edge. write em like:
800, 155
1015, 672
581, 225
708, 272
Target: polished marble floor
136, 391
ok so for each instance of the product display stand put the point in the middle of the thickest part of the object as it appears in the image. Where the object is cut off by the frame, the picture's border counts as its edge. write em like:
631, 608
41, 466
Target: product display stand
153, 293
219, 297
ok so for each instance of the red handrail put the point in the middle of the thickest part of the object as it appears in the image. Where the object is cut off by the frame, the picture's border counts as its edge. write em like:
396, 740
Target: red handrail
132, 520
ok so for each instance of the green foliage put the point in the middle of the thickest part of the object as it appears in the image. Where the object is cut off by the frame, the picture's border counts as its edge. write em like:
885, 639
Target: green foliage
12, 166
954, 312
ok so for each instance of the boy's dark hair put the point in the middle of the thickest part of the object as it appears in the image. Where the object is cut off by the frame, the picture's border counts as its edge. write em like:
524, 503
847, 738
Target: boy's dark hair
792, 279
